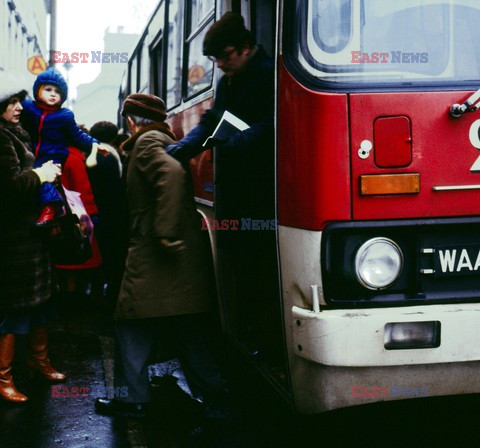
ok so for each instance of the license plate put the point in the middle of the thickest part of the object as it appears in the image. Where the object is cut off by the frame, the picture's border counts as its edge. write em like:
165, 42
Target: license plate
457, 260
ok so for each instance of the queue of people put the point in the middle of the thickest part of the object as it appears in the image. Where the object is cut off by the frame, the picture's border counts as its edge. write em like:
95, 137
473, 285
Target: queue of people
155, 264
163, 289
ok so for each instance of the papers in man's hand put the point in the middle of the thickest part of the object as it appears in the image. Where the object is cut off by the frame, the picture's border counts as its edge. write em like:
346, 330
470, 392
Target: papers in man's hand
229, 124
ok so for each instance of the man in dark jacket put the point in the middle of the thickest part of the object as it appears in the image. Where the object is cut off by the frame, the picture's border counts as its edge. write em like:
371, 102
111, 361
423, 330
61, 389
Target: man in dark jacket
244, 177
244, 161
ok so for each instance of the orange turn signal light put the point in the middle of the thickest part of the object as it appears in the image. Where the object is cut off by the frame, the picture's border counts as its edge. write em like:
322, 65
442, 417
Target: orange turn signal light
378, 184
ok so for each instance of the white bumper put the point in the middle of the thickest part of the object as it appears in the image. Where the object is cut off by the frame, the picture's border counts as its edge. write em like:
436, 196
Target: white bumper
355, 338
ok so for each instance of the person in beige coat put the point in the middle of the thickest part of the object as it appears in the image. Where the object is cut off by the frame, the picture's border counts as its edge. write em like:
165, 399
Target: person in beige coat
166, 288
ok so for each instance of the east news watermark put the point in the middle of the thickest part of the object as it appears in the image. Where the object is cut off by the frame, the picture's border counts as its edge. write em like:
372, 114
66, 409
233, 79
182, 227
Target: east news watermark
93, 57
60, 391
389, 391
239, 224
392, 57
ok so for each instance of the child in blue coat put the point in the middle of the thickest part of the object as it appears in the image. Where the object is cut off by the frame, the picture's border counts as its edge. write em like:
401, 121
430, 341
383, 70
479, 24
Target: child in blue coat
52, 130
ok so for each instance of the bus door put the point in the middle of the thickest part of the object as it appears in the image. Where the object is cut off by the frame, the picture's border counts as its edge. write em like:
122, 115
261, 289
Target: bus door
248, 262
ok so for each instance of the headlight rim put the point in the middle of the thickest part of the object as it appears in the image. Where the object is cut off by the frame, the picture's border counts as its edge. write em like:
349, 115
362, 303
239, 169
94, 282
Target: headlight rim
362, 249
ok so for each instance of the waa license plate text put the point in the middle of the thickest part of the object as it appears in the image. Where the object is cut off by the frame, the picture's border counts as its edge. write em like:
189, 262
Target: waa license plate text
459, 260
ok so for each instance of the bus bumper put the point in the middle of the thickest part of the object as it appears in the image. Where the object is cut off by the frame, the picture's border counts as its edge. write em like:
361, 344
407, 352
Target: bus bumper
358, 337
339, 359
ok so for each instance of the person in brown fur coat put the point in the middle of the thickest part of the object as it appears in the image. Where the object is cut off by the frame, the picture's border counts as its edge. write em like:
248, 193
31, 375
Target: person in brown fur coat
26, 274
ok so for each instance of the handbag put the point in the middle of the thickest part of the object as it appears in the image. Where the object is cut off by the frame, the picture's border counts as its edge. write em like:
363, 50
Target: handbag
68, 243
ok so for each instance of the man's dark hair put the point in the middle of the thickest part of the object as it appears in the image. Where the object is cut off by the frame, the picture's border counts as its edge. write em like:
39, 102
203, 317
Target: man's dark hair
104, 131
228, 31
20, 96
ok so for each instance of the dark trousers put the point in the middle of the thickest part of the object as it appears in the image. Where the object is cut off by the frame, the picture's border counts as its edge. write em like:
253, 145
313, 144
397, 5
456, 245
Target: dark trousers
188, 337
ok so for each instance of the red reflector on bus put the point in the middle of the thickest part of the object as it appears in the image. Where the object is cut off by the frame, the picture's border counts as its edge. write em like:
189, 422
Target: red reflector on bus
379, 184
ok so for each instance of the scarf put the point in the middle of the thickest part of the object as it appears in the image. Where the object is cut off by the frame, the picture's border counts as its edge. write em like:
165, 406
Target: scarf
46, 107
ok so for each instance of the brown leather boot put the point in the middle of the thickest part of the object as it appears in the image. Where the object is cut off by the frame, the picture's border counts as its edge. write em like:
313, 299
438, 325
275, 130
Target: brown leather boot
8, 390
38, 361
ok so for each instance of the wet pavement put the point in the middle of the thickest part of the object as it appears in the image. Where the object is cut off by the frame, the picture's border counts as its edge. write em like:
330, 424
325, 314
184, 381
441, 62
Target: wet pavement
47, 421
252, 417
63, 415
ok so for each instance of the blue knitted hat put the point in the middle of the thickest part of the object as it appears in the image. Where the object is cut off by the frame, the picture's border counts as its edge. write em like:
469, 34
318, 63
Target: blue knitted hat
54, 77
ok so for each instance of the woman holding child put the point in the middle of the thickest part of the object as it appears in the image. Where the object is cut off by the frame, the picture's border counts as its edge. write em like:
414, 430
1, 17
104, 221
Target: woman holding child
26, 272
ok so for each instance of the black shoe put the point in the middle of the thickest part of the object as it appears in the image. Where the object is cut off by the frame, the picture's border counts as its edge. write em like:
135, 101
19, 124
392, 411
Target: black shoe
107, 406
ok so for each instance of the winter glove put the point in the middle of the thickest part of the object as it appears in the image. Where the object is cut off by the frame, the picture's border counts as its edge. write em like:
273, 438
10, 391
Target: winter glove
92, 158
48, 172
171, 246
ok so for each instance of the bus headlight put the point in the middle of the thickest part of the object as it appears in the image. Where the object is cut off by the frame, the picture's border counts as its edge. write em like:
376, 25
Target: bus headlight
378, 263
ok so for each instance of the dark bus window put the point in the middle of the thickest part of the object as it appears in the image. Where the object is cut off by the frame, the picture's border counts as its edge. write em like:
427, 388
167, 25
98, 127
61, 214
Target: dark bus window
156, 53
200, 68
138, 59
144, 72
175, 53
263, 25
156, 56
200, 10
133, 75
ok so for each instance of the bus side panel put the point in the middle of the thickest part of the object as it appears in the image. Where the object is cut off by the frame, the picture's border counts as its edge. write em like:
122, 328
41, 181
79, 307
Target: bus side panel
313, 156
202, 165
183, 122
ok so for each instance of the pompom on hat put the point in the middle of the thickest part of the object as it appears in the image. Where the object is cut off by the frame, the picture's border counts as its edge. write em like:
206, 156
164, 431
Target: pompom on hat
144, 105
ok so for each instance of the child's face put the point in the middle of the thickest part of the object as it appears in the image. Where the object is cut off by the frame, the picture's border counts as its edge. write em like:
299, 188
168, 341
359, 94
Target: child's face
50, 95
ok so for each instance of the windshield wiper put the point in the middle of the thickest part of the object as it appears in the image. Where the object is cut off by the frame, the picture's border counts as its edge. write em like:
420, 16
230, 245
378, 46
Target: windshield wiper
471, 105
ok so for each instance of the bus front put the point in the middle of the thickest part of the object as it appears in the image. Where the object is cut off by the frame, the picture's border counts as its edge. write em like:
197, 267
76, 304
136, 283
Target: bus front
378, 180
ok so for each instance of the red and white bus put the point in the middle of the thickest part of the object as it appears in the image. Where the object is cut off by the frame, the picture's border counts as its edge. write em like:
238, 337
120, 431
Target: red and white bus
377, 190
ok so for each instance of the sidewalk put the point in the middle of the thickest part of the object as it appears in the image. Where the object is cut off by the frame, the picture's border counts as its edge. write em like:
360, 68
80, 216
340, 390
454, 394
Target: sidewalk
51, 418
63, 415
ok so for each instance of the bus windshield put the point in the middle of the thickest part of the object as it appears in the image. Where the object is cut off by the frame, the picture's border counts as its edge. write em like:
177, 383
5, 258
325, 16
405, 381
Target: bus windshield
374, 41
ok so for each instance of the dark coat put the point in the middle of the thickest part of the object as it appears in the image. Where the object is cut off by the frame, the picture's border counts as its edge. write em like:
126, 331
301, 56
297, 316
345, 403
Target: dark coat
245, 162
112, 226
25, 267
157, 283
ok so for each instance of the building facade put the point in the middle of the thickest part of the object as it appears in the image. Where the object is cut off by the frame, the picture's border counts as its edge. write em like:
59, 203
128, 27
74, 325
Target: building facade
23, 33
98, 100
